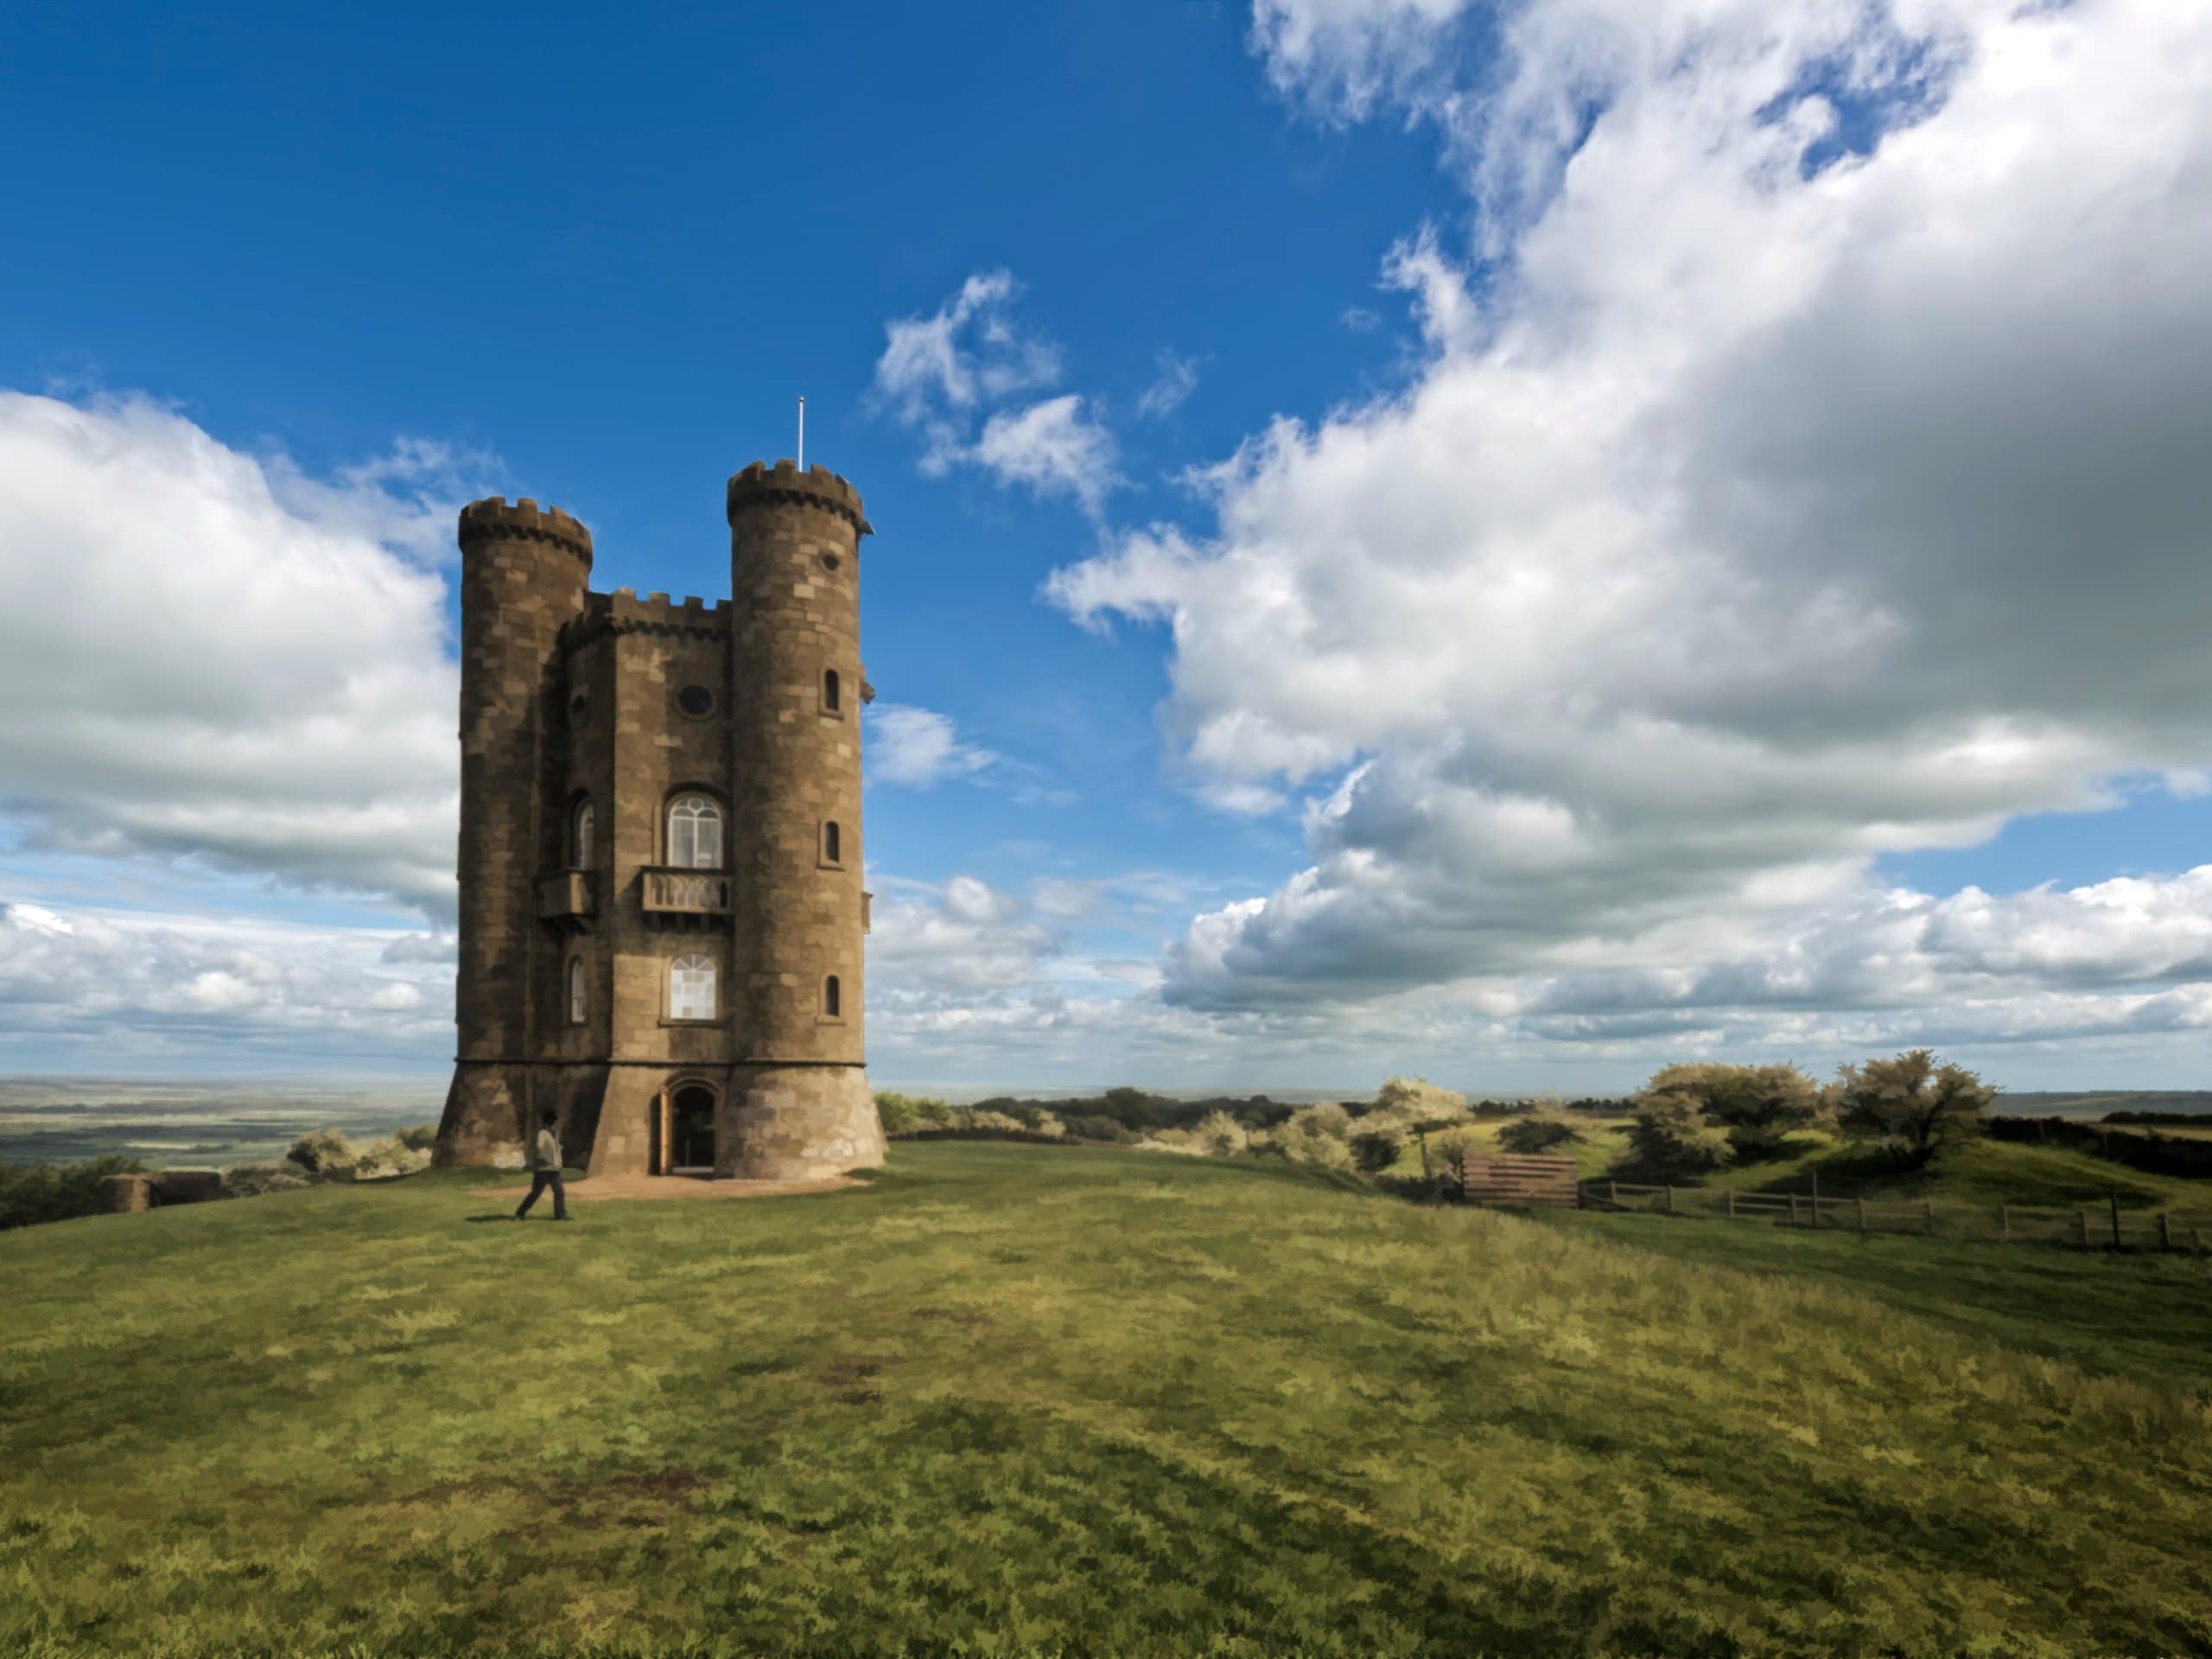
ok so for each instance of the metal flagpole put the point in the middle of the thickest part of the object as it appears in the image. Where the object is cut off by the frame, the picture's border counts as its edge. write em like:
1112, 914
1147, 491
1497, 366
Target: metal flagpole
802, 435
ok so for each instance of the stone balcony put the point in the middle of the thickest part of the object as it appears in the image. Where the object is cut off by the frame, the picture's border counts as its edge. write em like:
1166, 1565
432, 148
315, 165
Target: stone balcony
567, 901
684, 898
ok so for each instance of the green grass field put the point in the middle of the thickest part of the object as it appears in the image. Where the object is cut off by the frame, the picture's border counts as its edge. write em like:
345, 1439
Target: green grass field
1015, 1400
1982, 1172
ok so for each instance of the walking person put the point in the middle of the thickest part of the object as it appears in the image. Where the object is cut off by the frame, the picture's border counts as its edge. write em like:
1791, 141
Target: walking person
546, 1171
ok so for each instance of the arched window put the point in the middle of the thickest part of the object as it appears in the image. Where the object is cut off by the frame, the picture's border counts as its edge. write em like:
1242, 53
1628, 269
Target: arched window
692, 989
832, 1003
831, 694
695, 833
832, 843
580, 838
576, 990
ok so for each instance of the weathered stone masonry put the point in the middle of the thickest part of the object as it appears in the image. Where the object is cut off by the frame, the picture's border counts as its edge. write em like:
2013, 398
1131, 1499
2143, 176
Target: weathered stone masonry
568, 997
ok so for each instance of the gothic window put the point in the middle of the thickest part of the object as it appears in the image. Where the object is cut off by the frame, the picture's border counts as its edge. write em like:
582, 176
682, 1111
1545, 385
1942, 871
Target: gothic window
832, 694
695, 833
692, 989
576, 990
833, 850
580, 840
832, 1005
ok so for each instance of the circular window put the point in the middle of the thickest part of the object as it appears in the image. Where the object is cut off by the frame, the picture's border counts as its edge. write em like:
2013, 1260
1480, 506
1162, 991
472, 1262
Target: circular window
696, 700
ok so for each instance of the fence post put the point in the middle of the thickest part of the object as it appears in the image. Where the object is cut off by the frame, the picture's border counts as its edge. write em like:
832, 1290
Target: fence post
1862, 1214
2085, 1230
1793, 1208
1930, 1209
1816, 1200
2004, 1222
2165, 1233
1732, 1203
1670, 1200
2112, 1194
1613, 1193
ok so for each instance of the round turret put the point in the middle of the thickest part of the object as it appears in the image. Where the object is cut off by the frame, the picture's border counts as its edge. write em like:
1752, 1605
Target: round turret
798, 1002
523, 572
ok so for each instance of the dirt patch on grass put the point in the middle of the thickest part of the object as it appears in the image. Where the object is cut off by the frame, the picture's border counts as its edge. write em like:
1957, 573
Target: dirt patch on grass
667, 1186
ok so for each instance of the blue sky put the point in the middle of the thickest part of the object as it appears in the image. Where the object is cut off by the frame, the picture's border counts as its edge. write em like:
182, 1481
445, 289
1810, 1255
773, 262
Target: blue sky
1412, 780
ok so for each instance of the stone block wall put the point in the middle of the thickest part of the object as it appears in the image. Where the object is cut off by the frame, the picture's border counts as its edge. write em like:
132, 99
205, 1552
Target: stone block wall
568, 695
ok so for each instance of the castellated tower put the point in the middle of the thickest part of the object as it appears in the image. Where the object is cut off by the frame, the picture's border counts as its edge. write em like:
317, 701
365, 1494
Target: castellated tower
662, 919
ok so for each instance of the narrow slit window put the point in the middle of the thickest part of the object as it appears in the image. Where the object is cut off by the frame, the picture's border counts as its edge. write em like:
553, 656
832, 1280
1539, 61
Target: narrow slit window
692, 989
580, 843
832, 843
832, 1003
830, 693
576, 990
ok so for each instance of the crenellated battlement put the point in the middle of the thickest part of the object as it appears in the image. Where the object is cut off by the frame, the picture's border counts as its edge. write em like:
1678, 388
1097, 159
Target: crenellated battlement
493, 518
761, 483
623, 612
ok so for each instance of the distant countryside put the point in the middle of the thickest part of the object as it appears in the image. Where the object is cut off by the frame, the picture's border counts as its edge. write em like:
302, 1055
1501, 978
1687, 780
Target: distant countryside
1131, 1373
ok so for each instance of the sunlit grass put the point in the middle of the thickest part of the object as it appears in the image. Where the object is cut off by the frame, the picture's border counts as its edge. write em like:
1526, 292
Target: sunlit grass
1008, 1399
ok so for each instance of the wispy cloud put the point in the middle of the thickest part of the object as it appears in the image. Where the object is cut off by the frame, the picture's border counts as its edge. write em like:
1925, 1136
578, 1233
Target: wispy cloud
1177, 380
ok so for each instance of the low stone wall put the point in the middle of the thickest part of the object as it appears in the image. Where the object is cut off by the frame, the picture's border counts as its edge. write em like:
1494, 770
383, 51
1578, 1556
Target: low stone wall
126, 1194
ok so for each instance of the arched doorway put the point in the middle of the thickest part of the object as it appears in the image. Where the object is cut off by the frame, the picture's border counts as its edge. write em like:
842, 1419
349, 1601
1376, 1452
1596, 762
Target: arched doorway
690, 1121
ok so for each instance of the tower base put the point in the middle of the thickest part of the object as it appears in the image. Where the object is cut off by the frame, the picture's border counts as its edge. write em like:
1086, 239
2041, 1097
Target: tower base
798, 1123
493, 1109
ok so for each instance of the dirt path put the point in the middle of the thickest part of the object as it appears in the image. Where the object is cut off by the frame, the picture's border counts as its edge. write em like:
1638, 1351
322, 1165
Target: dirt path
584, 1188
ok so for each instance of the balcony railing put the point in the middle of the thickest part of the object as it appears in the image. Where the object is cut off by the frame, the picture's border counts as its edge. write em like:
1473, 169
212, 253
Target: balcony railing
567, 901
674, 892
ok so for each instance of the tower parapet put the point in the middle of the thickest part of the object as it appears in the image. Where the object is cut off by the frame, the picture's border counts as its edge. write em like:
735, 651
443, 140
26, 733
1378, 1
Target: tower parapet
760, 484
492, 519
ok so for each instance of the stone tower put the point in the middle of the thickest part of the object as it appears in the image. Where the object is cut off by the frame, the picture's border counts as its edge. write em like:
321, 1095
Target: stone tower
662, 919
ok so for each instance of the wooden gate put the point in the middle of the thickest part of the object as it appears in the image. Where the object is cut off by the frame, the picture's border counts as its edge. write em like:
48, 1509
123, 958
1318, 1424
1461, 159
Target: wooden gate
1519, 1178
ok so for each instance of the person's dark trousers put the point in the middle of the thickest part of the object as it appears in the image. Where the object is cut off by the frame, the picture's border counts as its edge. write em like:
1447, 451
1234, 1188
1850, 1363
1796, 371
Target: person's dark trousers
539, 1180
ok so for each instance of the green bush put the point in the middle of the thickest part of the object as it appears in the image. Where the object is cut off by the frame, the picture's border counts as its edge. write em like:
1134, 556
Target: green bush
386, 1158
1375, 1149
1539, 1131
1911, 1106
252, 1180
1094, 1127
1416, 1100
419, 1137
1756, 1107
324, 1154
1316, 1134
31, 1193
904, 1114
1670, 1137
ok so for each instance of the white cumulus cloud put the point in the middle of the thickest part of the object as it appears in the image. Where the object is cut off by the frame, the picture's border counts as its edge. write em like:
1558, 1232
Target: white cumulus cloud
206, 654
1764, 502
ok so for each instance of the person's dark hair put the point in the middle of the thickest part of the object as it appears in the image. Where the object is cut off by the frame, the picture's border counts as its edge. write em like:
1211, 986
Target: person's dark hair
548, 1118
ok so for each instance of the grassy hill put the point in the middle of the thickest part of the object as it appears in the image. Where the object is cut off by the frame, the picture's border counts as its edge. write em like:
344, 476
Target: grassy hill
1013, 1399
1982, 1172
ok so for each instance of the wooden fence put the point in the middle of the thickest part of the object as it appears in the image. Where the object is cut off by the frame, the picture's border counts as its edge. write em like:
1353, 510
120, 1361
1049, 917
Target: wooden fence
2096, 1226
1514, 1178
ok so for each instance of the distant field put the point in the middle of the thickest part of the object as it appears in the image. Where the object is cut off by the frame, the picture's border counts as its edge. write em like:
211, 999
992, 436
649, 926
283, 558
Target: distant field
1016, 1400
213, 1124
2032, 1103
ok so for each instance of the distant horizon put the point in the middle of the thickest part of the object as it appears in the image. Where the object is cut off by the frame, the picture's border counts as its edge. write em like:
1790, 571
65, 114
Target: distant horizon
436, 1081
